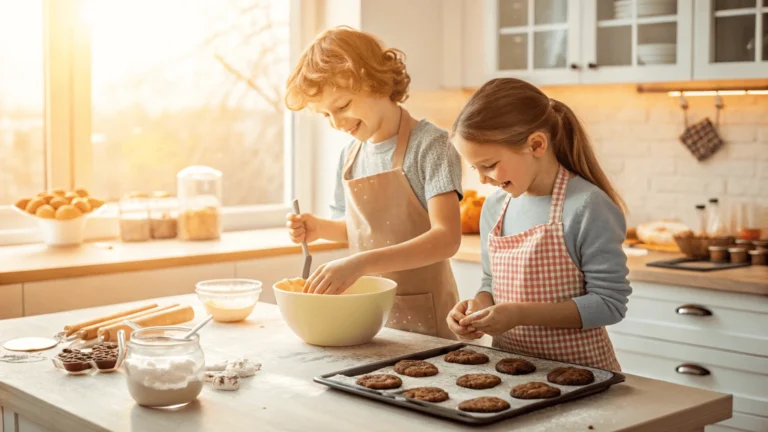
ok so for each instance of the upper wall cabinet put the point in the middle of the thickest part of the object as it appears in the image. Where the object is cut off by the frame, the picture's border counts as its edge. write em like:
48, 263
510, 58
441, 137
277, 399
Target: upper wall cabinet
533, 40
622, 41
731, 39
636, 40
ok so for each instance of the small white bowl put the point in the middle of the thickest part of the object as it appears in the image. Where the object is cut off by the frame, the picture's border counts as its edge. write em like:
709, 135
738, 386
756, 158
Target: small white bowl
352, 318
61, 232
229, 300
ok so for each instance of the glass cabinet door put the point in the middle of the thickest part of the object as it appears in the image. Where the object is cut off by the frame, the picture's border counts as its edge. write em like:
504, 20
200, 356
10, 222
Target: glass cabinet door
637, 40
535, 40
732, 39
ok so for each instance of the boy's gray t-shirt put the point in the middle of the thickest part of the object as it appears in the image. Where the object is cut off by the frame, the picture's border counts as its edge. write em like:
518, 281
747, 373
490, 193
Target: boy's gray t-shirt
431, 164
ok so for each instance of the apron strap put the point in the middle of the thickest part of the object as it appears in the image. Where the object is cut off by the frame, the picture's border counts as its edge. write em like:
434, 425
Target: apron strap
403, 133
500, 221
558, 196
351, 156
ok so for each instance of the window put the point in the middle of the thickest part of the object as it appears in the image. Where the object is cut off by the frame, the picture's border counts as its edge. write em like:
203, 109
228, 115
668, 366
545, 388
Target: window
147, 89
178, 83
22, 155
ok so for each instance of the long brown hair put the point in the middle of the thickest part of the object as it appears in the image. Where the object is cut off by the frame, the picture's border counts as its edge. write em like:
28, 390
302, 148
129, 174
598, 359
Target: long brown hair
507, 111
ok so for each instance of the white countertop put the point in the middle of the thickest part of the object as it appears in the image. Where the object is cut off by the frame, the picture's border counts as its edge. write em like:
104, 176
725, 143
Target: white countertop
283, 397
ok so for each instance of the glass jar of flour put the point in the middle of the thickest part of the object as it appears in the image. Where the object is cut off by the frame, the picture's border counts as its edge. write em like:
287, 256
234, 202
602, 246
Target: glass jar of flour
162, 369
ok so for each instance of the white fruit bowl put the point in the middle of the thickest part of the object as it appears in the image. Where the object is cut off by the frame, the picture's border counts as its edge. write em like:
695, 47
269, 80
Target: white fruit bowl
352, 318
61, 232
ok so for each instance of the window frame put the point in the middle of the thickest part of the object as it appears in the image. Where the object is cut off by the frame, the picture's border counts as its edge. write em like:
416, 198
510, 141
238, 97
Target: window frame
67, 128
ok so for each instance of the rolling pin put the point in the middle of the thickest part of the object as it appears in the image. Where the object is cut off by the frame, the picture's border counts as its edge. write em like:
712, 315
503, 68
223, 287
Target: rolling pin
74, 328
175, 315
91, 332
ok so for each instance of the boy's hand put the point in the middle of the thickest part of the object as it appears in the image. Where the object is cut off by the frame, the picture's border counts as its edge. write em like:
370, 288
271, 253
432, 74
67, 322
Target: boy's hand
336, 276
494, 320
302, 227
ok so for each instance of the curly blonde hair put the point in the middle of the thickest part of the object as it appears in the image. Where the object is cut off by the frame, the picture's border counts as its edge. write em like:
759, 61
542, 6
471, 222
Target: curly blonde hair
346, 58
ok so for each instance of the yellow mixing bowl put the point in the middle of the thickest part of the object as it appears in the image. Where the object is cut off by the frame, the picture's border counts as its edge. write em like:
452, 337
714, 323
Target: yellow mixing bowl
351, 318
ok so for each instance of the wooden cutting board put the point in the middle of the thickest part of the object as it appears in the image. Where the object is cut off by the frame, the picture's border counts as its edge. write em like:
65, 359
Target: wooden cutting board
658, 248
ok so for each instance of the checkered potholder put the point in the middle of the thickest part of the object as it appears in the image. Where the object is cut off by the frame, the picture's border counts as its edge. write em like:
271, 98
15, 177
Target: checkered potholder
702, 139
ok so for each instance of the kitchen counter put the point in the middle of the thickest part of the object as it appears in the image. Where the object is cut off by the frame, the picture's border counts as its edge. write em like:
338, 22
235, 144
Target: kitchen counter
750, 280
37, 262
282, 396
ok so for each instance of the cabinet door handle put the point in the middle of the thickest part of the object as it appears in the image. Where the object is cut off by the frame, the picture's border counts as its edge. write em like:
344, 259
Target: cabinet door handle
592, 65
694, 310
691, 369
575, 66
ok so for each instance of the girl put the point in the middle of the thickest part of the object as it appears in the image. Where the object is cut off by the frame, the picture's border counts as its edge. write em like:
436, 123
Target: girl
554, 273
398, 181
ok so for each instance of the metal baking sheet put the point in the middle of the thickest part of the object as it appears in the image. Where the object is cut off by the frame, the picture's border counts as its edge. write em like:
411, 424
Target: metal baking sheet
446, 379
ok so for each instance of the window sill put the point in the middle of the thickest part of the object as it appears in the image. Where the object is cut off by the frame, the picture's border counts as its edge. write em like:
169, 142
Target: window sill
37, 262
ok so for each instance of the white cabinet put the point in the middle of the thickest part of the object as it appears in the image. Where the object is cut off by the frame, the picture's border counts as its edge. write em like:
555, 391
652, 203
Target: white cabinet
709, 339
636, 41
731, 39
537, 41
622, 41
589, 41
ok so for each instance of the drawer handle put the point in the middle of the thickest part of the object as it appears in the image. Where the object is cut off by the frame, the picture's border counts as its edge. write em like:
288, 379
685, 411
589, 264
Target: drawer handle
693, 310
691, 369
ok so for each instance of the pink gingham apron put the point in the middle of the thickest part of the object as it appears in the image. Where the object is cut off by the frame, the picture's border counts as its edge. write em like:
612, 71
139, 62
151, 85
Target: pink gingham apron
534, 266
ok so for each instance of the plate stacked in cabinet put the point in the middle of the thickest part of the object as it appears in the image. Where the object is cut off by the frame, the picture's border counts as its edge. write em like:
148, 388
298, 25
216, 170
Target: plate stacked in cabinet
714, 340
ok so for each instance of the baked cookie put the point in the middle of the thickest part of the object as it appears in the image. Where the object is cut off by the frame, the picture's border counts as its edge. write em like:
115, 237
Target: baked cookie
478, 381
427, 394
466, 357
415, 368
570, 376
534, 390
484, 405
379, 382
515, 366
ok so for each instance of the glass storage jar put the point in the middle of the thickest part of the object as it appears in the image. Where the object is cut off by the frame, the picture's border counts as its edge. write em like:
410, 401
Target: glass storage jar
199, 192
162, 369
163, 215
134, 217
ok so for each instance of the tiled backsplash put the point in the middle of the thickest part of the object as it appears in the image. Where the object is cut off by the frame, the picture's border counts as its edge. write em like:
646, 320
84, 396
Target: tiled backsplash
635, 136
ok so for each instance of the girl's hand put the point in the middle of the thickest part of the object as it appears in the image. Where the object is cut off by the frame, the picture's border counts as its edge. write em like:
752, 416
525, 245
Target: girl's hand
458, 313
336, 276
493, 320
301, 227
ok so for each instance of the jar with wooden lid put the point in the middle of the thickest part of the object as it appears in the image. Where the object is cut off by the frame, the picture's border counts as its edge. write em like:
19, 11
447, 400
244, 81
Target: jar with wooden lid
163, 215
199, 190
134, 217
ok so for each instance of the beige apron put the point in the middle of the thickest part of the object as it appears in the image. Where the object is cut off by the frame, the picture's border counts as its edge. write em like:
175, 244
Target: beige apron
382, 210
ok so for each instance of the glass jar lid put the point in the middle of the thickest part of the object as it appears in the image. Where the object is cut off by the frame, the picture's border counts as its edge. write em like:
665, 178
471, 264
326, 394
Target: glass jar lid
199, 172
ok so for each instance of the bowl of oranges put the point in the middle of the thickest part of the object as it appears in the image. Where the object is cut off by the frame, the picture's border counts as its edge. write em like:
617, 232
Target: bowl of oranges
60, 214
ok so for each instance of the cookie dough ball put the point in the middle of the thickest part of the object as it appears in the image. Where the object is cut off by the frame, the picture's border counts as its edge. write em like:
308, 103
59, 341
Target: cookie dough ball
68, 212
47, 198
57, 192
70, 196
58, 202
82, 204
34, 204
46, 212
81, 192
22, 203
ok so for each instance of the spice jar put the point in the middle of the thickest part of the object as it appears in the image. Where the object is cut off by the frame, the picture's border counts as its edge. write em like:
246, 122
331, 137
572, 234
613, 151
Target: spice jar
759, 256
163, 216
744, 244
162, 369
134, 218
738, 255
199, 190
718, 253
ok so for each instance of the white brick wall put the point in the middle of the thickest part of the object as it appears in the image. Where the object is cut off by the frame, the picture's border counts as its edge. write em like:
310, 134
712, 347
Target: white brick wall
635, 136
